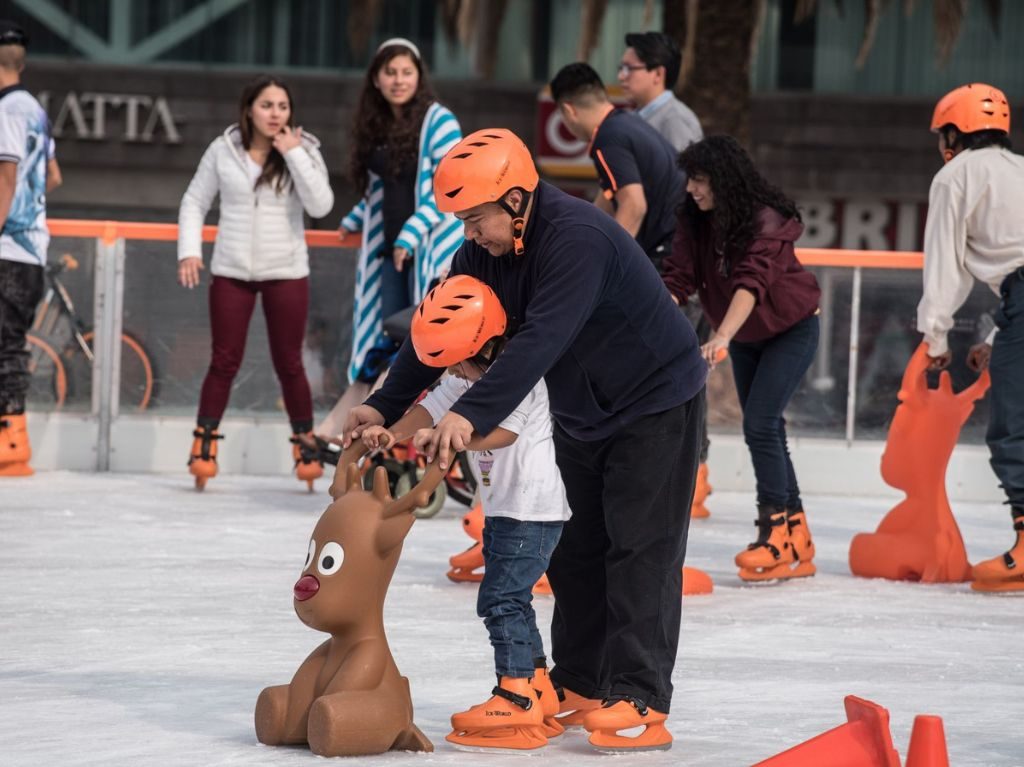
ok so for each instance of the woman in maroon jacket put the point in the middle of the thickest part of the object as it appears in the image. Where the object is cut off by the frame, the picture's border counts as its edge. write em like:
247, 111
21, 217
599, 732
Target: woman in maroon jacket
734, 247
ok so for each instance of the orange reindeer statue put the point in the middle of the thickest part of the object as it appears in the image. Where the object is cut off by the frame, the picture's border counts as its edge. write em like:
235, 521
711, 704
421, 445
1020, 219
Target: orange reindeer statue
919, 539
348, 697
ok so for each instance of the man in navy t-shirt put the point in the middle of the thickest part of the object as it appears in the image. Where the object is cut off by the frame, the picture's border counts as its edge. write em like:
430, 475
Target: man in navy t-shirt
641, 185
588, 314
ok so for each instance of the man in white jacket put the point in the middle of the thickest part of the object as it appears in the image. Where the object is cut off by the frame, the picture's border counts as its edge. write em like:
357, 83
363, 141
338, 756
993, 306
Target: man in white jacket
975, 230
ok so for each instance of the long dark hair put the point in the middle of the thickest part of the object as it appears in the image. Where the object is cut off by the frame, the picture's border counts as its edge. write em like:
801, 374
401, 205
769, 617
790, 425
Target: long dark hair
275, 172
374, 122
739, 192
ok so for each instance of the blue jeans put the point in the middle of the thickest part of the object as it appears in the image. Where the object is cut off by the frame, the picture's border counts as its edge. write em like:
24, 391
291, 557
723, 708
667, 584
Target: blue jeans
516, 554
396, 287
767, 373
1005, 435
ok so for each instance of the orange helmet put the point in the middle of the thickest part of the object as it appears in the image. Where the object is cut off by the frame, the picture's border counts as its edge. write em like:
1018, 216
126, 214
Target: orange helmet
482, 168
972, 108
455, 320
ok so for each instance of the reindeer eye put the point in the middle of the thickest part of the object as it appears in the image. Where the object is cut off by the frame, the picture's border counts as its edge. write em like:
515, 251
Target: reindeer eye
309, 555
331, 558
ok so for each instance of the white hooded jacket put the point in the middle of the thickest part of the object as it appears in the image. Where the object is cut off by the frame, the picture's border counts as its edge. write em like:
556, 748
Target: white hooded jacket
261, 233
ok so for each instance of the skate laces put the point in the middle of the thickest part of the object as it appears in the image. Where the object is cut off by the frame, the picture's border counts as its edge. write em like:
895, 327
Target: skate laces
307, 453
639, 705
207, 436
1018, 525
764, 527
522, 701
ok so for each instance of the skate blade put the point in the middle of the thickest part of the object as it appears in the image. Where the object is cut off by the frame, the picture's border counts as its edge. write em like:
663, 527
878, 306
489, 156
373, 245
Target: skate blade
778, 573
502, 740
653, 738
464, 576
1007, 586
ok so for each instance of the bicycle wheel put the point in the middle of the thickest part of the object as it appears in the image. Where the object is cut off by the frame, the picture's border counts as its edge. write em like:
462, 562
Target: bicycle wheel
406, 483
48, 385
461, 481
136, 373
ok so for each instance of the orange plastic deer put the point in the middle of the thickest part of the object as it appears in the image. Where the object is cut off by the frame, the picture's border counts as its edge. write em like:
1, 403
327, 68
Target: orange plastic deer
919, 539
348, 697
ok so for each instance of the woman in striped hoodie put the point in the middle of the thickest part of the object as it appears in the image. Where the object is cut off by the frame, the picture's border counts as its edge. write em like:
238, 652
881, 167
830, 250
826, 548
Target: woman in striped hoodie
401, 133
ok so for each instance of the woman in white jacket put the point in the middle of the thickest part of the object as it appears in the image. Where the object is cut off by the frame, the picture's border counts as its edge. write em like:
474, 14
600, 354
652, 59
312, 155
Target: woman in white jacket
267, 172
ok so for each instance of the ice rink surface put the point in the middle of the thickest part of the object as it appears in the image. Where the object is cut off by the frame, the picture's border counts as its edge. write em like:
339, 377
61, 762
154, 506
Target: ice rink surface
139, 620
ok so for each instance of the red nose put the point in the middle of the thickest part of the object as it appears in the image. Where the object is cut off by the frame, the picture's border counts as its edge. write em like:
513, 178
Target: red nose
306, 587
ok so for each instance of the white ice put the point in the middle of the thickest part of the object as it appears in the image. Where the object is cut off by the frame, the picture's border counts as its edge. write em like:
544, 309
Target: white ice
139, 620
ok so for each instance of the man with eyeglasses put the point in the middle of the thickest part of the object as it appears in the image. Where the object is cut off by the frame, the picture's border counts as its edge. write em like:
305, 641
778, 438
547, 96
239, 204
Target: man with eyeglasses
648, 73
636, 167
25, 149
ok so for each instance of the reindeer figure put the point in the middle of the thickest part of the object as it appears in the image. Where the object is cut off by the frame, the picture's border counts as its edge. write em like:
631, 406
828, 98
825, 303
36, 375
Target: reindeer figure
919, 539
348, 697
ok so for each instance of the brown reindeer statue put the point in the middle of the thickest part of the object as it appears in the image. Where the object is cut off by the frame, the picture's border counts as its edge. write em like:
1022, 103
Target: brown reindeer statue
348, 697
919, 539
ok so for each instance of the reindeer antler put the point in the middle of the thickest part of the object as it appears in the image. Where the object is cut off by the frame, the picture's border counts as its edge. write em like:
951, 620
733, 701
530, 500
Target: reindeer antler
347, 479
913, 377
977, 390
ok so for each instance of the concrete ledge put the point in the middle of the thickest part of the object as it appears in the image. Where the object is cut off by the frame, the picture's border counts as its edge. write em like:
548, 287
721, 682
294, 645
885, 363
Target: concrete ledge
260, 446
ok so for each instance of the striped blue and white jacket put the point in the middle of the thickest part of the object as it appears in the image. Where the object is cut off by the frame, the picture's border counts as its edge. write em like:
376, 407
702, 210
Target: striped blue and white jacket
431, 236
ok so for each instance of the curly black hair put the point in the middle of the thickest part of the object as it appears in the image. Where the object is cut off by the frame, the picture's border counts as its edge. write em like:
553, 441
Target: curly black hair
739, 193
374, 122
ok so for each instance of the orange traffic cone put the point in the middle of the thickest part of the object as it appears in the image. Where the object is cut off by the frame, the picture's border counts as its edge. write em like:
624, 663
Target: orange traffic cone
927, 743
864, 741
696, 582
919, 540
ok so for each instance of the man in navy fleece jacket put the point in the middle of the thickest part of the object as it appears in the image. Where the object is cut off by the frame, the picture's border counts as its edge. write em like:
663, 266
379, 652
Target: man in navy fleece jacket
587, 312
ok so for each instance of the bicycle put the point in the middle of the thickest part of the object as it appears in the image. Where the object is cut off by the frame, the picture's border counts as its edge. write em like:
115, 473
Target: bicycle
50, 383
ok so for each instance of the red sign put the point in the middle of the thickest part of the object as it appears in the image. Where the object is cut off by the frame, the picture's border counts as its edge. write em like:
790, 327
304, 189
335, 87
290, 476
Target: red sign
559, 153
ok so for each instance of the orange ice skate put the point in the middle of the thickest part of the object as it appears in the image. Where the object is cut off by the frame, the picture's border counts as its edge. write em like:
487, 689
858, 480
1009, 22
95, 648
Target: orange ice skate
202, 462
616, 714
549, 703
771, 556
306, 455
1006, 572
512, 720
572, 707
15, 450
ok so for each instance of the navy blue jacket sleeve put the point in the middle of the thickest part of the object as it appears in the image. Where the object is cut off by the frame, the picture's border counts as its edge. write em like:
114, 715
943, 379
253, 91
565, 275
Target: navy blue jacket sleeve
572, 274
407, 379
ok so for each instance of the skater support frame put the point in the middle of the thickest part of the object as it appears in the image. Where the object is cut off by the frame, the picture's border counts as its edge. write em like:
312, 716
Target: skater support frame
113, 243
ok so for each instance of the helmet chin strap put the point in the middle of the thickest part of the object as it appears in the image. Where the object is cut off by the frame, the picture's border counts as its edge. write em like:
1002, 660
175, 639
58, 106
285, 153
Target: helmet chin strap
518, 221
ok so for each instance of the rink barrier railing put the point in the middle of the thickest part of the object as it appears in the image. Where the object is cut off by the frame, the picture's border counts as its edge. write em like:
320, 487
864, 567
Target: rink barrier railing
112, 236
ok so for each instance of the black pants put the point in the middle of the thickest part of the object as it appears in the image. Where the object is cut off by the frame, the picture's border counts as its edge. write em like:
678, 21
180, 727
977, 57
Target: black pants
21, 287
617, 570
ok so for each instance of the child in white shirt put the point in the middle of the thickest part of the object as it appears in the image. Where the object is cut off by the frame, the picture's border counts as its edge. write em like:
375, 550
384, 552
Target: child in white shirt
459, 326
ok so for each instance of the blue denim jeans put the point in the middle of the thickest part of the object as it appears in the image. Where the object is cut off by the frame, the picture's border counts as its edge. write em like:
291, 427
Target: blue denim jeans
516, 554
396, 287
1005, 435
767, 373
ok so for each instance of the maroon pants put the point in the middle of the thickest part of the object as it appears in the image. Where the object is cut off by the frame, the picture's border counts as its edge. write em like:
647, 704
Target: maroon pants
285, 306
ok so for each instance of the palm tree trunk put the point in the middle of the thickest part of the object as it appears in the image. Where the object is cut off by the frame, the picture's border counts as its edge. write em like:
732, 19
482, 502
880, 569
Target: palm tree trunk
717, 87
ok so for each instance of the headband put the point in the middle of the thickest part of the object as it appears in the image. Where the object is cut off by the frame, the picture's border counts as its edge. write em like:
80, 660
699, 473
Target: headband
403, 42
